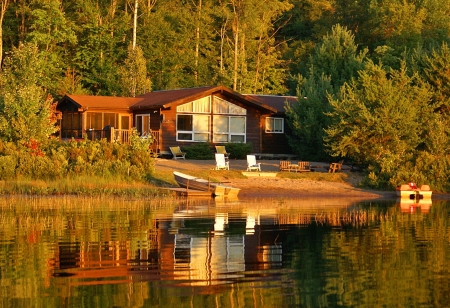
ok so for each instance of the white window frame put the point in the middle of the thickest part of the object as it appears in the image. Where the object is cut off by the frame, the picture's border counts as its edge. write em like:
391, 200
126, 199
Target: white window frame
270, 123
229, 134
193, 132
142, 129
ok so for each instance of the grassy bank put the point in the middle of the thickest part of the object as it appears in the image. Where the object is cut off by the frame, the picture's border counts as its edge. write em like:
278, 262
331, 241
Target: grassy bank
100, 186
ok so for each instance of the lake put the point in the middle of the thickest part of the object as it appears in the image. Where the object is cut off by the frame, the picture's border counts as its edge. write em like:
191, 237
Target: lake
94, 252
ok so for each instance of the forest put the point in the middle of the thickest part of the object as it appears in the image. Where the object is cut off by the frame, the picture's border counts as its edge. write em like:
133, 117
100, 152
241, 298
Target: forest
372, 76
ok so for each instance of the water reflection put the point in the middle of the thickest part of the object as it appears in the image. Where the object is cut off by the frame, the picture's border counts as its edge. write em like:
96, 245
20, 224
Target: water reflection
254, 253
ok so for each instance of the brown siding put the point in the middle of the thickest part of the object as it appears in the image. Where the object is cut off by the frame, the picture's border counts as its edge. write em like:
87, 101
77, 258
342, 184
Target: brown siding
275, 143
254, 130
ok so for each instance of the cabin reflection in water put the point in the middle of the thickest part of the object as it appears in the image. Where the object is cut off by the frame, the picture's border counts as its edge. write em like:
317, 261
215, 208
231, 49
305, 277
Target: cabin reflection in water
189, 250
196, 245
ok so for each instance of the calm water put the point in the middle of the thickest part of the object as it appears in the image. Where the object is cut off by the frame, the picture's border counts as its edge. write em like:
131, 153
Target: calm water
81, 252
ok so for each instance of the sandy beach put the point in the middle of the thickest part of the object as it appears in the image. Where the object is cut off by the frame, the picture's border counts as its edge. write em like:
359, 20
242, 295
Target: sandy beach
262, 186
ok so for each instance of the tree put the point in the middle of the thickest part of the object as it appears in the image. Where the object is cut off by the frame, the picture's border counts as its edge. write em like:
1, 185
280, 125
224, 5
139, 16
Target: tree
335, 61
134, 73
380, 120
25, 106
307, 119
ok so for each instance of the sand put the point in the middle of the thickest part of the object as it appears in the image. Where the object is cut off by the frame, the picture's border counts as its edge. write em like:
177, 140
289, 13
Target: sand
262, 186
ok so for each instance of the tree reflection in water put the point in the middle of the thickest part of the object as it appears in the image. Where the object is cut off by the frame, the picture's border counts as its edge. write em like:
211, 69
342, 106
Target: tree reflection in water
253, 253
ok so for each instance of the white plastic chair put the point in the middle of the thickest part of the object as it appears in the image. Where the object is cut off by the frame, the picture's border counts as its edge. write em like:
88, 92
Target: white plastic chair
221, 164
252, 165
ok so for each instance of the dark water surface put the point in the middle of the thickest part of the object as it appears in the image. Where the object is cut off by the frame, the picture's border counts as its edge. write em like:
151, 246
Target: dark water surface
82, 252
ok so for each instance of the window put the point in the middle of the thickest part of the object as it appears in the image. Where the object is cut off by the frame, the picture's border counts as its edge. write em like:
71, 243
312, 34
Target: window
194, 121
222, 106
143, 124
193, 127
201, 105
275, 125
228, 129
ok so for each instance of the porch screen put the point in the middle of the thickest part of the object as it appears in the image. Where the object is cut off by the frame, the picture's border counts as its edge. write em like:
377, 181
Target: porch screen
193, 127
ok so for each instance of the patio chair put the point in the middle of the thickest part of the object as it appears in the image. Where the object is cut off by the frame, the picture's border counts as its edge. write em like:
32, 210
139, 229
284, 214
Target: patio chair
220, 149
221, 163
303, 166
176, 152
285, 165
252, 165
334, 167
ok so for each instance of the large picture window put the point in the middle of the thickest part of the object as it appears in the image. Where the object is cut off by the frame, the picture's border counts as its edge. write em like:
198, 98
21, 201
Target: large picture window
275, 125
228, 129
193, 127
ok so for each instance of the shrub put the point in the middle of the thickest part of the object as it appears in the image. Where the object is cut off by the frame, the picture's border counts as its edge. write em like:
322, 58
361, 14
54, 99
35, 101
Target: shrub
239, 150
8, 167
201, 150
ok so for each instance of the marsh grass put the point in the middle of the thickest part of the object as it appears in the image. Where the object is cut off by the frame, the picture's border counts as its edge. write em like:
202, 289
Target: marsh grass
90, 186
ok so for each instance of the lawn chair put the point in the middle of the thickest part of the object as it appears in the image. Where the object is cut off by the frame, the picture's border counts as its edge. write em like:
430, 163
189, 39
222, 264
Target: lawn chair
221, 163
252, 164
334, 167
176, 152
220, 149
286, 165
303, 166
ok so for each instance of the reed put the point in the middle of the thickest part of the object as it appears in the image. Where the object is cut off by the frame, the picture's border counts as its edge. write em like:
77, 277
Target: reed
80, 185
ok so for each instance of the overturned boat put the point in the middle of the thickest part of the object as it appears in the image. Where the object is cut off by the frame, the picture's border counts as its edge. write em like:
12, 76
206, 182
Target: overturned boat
194, 183
411, 191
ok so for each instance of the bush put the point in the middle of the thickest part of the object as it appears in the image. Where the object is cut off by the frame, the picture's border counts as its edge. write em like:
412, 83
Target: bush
201, 150
7, 167
239, 150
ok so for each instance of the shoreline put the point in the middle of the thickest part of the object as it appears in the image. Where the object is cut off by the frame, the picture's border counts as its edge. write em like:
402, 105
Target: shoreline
276, 187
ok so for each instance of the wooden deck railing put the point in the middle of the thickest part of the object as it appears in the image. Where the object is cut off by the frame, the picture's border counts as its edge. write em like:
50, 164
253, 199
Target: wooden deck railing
112, 135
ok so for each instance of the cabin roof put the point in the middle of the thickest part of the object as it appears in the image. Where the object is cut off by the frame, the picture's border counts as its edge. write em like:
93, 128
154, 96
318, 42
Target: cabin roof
168, 98
100, 102
275, 101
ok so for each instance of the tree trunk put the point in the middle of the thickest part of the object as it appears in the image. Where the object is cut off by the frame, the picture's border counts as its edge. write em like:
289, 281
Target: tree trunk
236, 45
197, 38
3, 6
136, 2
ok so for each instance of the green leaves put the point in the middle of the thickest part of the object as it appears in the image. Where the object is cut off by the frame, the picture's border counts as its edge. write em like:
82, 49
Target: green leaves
25, 107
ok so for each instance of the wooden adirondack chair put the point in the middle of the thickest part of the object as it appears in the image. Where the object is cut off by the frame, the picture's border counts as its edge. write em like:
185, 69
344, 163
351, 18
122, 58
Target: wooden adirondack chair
220, 149
303, 166
334, 167
176, 152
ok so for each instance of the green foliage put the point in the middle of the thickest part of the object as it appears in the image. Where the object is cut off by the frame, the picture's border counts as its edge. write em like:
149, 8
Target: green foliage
133, 74
25, 108
386, 120
335, 60
201, 150
58, 160
8, 167
239, 150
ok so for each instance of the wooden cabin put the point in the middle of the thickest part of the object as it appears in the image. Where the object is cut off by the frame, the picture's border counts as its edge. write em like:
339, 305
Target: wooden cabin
181, 117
